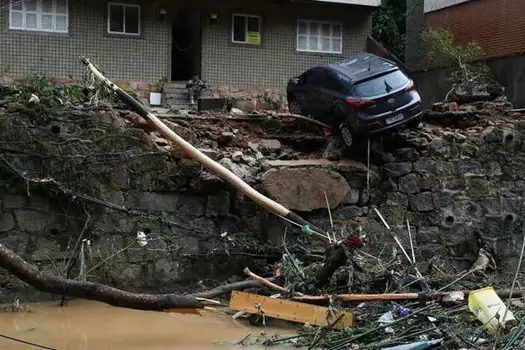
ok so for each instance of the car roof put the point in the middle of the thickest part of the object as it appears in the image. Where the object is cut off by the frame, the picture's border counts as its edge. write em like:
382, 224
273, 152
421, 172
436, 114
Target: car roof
363, 66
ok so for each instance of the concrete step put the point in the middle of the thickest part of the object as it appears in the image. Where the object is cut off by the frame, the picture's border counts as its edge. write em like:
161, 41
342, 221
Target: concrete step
180, 106
180, 95
168, 89
178, 100
176, 84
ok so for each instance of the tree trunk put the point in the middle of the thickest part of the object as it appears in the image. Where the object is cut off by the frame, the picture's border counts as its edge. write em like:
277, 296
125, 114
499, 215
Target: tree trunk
50, 283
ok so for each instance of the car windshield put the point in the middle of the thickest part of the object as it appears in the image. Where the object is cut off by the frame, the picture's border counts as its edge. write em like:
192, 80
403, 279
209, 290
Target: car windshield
381, 85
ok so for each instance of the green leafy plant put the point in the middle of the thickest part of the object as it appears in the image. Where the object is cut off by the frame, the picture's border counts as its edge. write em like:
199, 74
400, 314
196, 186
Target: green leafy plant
469, 76
273, 103
388, 27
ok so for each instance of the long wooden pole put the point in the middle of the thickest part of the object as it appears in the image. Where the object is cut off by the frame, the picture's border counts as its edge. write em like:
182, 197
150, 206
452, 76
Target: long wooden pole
195, 154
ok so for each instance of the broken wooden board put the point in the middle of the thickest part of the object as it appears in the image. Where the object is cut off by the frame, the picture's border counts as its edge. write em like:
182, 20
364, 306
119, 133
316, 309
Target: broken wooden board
288, 310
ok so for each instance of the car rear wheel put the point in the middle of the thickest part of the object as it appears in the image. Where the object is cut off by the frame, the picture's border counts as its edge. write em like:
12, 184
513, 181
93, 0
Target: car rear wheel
294, 106
346, 135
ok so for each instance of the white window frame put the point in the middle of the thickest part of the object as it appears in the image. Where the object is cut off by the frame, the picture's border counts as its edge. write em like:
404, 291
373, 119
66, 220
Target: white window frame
320, 36
38, 12
124, 5
246, 16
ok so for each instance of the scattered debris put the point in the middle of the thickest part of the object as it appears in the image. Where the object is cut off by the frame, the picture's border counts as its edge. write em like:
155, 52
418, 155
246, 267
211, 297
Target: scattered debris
289, 310
490, 309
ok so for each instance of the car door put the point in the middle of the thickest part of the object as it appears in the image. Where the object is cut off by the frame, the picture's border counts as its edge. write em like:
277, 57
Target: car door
311, 99
300, 91
333, 90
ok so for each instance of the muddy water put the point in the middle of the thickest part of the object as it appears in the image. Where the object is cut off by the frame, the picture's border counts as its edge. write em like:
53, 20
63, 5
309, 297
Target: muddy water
84, 325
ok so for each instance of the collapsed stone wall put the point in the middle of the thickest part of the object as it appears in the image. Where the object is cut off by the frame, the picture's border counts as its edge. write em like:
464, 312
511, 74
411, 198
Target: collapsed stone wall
460, 189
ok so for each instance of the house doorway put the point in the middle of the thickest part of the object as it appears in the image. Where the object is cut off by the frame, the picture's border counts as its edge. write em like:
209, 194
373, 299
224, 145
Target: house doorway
186, 45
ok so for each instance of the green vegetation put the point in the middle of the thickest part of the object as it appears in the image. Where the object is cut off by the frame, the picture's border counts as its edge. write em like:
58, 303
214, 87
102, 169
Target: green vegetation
388, 27
469, 76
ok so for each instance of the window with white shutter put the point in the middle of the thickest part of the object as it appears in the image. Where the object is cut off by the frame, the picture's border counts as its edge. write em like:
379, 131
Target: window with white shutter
319, 36
39, 15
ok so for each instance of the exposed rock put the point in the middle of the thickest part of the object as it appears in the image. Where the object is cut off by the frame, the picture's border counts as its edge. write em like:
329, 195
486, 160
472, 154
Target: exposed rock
225, 138
409, 184
335, 149
237, 156
152, 201
422, 202
7, 222
352, 197
34, 221
270, 145
243, 171
213, 154
397, 169
218, 204
303, 189
349, 213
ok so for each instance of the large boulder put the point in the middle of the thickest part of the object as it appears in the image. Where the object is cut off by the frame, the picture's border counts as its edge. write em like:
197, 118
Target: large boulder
304, 189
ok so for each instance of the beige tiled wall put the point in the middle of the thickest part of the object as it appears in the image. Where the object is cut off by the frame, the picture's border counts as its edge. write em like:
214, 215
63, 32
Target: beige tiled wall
272, 63
148, 57
123, 58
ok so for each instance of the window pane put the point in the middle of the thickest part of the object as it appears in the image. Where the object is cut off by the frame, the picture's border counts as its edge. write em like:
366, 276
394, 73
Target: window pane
336, 45
61, 6
30, 5
116, 18
381, 85
31, 20
314, 28
312, 43
16, 19
132, 20
326, 29
61, 23
47, 6
337, 30
239, 28
302, 42
253, 24
303, 28
325, 44
16, 5
47, 22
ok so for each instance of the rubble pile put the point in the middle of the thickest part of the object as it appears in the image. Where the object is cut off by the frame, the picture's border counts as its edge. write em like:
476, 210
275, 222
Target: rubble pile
149, 219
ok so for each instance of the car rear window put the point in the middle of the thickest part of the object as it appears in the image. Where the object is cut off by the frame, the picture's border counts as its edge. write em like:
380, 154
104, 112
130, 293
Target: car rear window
381, 85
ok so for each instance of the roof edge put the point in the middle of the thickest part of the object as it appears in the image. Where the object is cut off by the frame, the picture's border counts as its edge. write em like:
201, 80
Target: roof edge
436, 5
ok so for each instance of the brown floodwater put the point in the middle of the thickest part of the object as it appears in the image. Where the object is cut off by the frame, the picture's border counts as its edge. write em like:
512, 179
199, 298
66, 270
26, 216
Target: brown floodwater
83, 325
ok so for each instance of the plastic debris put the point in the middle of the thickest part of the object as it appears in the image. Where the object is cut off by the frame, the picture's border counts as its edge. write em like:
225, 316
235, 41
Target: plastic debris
402, 311
387, 317
34, 99
141, 239
490, 309
422, 345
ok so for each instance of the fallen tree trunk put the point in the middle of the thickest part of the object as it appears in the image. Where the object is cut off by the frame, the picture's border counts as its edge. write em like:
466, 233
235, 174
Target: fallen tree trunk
47, 282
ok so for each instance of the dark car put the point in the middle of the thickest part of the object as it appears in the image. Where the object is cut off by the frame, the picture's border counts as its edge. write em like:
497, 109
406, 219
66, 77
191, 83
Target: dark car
362, 95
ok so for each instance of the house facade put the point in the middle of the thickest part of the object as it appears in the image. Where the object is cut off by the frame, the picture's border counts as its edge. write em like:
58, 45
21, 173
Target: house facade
244, 44
496, 25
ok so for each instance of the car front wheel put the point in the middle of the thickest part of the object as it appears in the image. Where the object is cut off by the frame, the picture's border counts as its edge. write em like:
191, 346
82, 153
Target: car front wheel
295, 107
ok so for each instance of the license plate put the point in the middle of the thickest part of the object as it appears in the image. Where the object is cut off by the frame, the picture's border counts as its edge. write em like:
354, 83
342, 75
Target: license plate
394, 118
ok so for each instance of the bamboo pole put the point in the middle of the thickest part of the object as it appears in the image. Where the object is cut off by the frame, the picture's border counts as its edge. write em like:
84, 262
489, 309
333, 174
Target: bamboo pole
194, 153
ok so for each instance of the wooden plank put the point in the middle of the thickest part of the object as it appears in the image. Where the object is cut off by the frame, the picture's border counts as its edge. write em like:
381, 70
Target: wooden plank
288, 310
